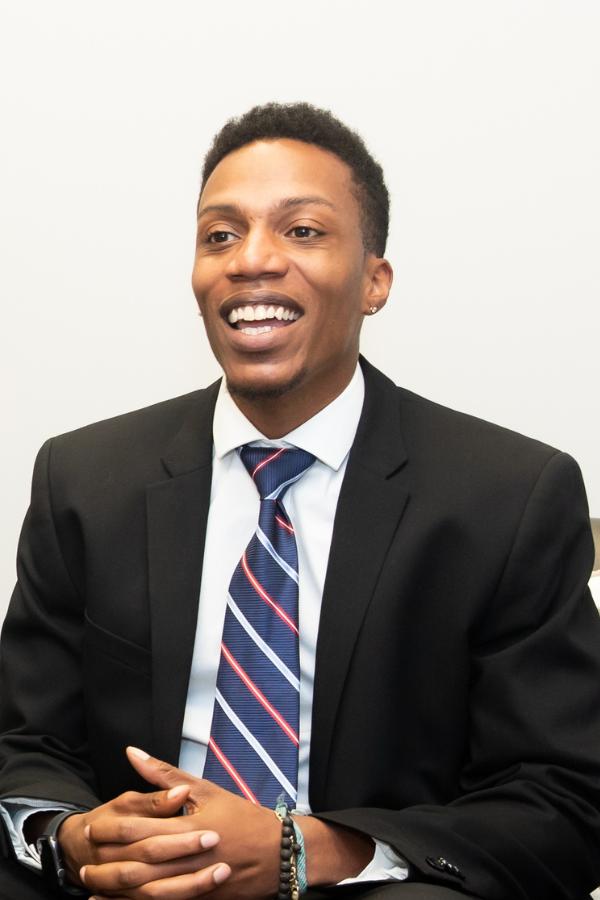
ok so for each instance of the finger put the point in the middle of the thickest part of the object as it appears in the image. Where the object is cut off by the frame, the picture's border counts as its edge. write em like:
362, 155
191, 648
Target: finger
131, 829
155, 804
181, 887
187, 887
158, 849
124, 875
157, 772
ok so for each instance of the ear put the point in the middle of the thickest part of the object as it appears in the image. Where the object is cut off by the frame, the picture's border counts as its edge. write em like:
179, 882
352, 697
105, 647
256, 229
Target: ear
379, 276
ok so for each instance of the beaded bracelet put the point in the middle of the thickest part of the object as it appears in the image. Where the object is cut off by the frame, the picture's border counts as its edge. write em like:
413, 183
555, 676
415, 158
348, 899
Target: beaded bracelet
288, 855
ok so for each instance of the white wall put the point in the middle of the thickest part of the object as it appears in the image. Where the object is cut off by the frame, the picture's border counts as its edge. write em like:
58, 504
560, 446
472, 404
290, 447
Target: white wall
484, 115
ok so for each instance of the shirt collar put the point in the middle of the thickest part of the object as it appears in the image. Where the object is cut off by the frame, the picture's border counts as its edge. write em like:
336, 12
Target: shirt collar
328, 435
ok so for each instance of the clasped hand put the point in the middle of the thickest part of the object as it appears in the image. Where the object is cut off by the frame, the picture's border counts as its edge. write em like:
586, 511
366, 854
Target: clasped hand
137, 847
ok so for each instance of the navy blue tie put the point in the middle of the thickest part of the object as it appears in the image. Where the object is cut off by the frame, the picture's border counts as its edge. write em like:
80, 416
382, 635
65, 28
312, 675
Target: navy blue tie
253, 747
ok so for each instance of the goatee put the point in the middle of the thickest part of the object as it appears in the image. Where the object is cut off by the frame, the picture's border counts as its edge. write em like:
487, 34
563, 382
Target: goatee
252, 392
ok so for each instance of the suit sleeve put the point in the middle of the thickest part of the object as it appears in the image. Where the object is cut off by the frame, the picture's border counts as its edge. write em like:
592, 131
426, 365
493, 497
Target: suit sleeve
526, 825
43, 744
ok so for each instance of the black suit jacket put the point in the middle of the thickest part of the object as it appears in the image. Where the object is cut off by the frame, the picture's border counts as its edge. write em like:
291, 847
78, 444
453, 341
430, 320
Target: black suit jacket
457, 694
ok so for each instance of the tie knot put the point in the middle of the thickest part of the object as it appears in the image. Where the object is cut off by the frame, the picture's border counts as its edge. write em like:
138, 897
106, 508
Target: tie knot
274, 469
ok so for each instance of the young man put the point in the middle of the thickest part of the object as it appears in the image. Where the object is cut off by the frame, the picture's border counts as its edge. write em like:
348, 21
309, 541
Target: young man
403, 647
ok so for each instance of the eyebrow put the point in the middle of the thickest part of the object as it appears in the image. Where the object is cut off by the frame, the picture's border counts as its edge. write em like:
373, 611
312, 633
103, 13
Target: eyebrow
232, 209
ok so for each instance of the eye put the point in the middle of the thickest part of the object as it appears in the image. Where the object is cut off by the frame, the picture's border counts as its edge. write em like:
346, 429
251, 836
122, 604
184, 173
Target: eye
220, 237
304, 231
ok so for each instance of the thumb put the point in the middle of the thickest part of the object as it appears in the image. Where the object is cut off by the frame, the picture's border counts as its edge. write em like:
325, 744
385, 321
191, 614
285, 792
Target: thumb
157, 772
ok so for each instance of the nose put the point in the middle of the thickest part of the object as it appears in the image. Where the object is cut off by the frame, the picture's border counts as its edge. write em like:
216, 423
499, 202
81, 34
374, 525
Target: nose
257, 255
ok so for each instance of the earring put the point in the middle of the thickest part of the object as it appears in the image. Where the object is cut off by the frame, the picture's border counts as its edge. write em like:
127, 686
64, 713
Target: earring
373, 310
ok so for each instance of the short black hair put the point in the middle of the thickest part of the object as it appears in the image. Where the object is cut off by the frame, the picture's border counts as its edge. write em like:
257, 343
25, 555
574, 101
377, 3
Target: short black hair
308, 123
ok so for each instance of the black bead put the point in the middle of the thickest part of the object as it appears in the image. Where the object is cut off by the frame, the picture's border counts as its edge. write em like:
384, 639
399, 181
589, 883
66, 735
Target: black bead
286, 842
283, 895
287, 830
297, 849
285, 866
288, 821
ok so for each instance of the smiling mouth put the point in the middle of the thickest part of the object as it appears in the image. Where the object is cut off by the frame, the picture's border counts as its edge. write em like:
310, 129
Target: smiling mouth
261, 318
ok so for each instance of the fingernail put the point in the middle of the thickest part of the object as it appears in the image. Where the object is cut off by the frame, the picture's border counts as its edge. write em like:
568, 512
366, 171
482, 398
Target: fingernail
221, 873
141, 754
82, 873
180, 791
209, 839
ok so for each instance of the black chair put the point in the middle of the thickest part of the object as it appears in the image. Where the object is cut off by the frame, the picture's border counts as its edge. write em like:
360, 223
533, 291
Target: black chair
596, 533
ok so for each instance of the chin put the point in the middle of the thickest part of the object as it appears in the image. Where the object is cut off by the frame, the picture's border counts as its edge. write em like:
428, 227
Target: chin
250, 389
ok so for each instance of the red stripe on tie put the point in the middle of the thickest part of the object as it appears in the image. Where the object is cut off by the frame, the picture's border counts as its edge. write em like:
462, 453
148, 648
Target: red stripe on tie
262, 593
283, 524
233, 772
285, 727
269, 459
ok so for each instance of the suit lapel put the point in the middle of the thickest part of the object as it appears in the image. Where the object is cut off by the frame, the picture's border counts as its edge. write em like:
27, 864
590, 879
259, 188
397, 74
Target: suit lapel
370, 506
177, 511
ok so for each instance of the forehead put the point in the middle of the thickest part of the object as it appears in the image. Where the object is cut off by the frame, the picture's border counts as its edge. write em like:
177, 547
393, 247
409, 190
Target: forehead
268, 171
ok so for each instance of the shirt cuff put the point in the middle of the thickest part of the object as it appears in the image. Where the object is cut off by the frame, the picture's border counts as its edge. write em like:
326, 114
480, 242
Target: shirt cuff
14, 812
386, 865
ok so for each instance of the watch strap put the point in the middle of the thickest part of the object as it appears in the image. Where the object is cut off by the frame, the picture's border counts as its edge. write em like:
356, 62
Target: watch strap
53, 824
53, 868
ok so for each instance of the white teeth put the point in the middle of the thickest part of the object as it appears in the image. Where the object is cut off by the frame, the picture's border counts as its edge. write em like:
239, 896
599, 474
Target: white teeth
262, 329
260, 313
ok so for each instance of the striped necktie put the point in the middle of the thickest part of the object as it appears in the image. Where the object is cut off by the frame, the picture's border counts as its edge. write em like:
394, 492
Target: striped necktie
253, 746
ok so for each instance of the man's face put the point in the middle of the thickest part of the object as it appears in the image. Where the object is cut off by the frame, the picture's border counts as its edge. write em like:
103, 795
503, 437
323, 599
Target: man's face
281, 275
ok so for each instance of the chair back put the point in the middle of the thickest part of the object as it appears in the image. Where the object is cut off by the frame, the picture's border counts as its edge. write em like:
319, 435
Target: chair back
596, 534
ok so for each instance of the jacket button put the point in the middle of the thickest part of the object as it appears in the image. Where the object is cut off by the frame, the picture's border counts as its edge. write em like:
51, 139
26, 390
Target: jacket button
443, 865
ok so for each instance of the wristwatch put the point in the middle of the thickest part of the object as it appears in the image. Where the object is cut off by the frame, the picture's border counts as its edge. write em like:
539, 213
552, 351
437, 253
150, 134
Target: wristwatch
53, 867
